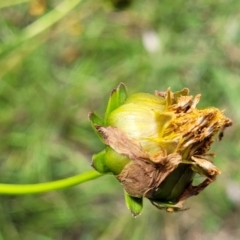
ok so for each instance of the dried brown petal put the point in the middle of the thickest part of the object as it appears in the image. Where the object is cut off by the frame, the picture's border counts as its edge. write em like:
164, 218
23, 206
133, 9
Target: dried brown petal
205, 167
144, 174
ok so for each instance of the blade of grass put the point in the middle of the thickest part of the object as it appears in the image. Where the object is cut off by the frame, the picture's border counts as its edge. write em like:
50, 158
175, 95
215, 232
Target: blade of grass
11, 3
16, 55
42, 24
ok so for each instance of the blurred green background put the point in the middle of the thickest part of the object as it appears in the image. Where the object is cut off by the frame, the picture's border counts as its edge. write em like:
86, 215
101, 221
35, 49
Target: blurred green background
59, 60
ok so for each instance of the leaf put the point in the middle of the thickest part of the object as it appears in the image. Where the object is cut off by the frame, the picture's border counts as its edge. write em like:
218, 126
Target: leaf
134, 204
117, 98
98, 162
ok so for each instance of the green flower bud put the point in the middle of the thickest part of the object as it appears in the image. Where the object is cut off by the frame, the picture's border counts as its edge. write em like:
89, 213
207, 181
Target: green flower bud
156, 144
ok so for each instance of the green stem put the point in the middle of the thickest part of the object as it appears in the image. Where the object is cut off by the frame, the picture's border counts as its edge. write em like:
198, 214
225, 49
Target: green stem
21, 189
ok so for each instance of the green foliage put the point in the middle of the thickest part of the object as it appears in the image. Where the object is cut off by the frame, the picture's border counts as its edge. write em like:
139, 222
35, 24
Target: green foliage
54, 75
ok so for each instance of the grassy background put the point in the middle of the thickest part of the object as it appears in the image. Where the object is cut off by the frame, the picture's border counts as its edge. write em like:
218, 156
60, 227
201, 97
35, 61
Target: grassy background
55, 68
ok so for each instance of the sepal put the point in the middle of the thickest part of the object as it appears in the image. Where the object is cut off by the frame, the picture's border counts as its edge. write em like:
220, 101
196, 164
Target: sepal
114, 161
117, 98
96, 121
98, 162
134, 204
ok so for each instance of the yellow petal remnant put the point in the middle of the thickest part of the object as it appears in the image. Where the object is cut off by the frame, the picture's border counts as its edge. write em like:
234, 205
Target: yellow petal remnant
159, 143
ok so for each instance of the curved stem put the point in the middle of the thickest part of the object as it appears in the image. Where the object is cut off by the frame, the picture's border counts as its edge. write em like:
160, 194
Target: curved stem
21, 189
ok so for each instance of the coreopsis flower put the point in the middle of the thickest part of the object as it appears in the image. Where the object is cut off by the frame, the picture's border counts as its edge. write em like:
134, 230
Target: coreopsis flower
156, 144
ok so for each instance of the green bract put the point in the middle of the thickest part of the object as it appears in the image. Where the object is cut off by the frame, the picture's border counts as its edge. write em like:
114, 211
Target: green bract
156, 144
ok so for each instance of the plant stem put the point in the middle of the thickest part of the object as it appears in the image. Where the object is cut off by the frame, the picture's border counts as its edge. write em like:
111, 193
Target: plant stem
22, 189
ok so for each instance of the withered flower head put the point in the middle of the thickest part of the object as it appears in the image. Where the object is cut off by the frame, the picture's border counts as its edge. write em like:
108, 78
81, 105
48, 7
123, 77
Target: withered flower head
156, 144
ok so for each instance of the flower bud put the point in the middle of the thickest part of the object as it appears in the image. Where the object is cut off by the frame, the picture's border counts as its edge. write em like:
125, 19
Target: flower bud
156, 144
